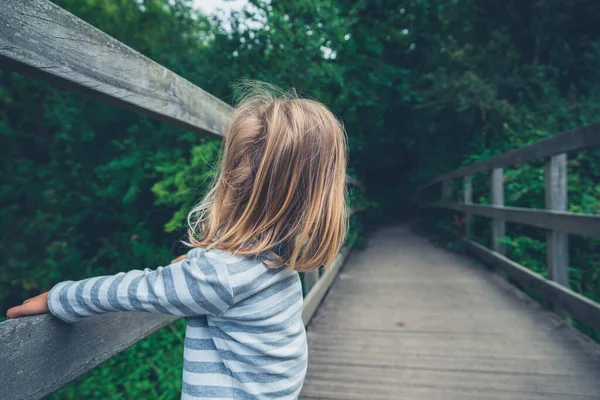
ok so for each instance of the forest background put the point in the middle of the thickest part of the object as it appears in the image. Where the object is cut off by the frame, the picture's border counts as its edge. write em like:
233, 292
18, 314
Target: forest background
422, 86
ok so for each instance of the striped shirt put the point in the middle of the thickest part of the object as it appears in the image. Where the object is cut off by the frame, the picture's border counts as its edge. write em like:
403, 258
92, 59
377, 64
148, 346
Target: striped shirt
244, 339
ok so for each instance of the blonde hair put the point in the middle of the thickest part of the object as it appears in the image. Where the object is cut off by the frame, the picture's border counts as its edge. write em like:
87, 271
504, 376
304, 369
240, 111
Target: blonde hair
280, 190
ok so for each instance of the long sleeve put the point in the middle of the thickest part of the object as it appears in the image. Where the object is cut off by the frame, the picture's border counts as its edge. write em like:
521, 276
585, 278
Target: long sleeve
186, 288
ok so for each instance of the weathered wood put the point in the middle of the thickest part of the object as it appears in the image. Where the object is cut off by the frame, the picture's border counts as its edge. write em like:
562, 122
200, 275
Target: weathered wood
578, 139
575, 223
574, 303
319, 290
408, 320
310, 278
498, 225
41, 354
468, 199
40, 39
556, 199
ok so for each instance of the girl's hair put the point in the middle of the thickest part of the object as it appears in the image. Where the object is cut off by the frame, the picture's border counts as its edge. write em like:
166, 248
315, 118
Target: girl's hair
280, 190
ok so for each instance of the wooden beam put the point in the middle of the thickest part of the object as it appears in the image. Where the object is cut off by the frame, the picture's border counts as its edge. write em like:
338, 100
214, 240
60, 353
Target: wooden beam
319, 290
498, 225
556, 199
40, 39
573, 303
578, 224
41, 354
578, 139
468, 199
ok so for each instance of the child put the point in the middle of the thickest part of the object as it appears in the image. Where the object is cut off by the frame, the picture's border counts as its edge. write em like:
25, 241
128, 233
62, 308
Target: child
276, 207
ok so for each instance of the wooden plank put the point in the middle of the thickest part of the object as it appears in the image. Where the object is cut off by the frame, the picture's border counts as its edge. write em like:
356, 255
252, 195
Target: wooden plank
575, 223
41, 354
359, 376
498, 225
556, 199
468, 199
319, 290
40, 39
406, 319
574, 303
578, 139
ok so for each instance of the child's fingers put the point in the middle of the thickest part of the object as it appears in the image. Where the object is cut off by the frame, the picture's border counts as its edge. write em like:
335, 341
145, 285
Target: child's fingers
19, 311
33, 306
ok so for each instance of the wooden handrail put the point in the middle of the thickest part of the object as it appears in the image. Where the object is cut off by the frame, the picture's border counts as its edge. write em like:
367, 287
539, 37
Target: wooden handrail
575, 223
41, 354
554, 218
70, 350
40, 39
575, 140
561, 296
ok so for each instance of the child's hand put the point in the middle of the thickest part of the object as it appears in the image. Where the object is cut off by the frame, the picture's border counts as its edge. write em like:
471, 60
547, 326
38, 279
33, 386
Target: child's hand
33, 306
178, 259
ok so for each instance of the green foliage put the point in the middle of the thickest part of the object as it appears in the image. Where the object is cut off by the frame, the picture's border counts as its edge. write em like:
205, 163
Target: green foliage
179, 179
422, 86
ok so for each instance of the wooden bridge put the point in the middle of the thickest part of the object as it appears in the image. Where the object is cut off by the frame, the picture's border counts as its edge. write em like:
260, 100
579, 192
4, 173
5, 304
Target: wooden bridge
407, 320
402, 319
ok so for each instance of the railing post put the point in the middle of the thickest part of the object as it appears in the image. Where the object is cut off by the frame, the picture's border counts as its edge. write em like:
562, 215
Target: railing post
310, 278
446, 190
498, 226
468, 199
556, 199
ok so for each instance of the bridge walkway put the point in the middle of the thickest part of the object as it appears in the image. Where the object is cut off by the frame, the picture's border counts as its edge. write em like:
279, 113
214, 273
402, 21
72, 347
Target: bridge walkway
408, 320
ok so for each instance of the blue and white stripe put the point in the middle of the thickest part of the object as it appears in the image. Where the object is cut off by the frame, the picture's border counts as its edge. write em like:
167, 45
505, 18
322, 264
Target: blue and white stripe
245, 338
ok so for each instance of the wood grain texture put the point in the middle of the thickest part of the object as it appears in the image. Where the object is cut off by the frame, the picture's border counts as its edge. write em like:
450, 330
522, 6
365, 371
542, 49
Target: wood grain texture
407, 320
468, 199
557, 200
560, 296
579, 224
41, 354
40, 39
578, 139
319, 289
498, 224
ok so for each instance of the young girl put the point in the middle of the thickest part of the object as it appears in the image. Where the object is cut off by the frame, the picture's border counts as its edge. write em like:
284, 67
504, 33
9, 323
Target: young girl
276, 207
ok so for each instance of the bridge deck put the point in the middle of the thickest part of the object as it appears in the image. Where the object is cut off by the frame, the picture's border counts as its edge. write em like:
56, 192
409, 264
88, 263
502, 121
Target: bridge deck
407, 320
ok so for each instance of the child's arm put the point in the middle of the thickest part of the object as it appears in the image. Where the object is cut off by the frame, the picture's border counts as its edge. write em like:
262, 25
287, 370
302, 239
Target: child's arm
192, 286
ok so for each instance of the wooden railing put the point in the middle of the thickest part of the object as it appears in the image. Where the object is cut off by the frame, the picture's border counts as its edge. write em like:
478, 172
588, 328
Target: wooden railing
555, 219
40, 354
